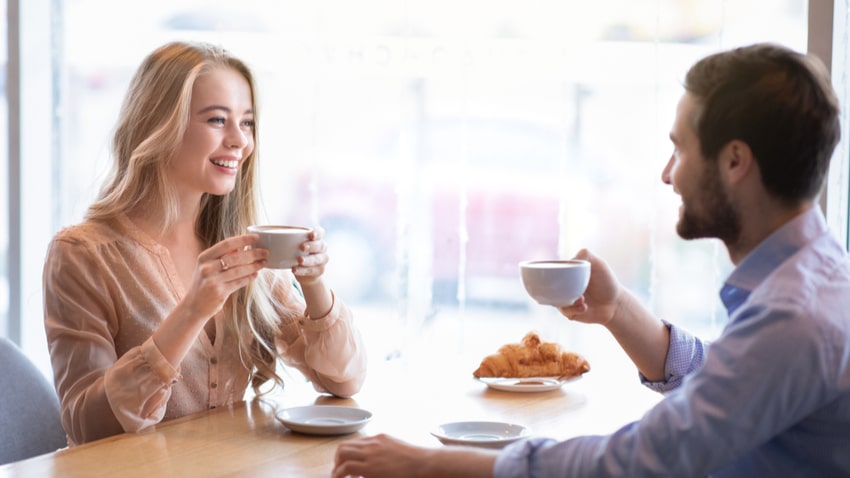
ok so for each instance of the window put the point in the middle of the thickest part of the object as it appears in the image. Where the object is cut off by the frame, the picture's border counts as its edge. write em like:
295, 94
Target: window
439, 143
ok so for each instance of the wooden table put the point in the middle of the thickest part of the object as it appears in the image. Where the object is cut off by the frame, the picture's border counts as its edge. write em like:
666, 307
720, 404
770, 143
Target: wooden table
407, 401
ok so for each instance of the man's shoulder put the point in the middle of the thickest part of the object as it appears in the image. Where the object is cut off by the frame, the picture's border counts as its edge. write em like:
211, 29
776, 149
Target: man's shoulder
823, 260
818, 274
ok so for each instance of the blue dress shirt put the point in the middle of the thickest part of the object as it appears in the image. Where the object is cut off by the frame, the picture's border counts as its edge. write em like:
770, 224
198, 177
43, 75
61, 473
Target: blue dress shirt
769, 398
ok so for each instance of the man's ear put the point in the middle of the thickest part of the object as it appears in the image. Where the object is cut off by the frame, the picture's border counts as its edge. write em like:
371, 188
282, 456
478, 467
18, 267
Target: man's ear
737, 161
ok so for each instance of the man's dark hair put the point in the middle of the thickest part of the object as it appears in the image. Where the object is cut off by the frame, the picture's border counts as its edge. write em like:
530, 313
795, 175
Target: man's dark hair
780, 103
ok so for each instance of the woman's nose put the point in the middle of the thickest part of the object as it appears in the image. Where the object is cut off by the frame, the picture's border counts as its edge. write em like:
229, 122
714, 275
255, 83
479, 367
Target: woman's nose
236, 138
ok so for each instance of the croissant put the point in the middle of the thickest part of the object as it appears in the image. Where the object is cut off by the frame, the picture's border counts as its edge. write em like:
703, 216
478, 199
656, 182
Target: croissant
532, 358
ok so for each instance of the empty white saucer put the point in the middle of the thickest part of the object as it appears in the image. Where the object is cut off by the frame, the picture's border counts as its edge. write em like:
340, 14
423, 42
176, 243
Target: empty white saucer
481, 434
324, 419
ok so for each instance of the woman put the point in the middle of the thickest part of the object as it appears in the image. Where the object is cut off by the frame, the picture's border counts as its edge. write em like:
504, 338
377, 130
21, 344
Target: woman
157, 305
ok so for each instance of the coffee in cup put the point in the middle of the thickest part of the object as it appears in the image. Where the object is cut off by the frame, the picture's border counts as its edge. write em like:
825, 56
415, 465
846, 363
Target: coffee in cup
282, 242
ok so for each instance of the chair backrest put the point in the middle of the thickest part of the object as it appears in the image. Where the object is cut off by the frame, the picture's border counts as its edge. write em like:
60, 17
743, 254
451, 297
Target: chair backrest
30, 424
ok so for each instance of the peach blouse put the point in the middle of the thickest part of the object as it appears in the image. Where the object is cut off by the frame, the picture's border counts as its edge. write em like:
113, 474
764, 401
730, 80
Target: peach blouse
108, 286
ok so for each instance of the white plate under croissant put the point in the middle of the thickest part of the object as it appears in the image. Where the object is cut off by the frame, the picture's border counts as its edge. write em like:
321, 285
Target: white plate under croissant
526, 384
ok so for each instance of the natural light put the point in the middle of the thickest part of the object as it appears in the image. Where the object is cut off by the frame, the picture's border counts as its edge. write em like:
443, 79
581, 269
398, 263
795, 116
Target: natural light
438, 144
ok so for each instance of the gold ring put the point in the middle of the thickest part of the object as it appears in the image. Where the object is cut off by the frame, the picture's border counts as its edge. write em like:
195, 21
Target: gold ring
224, 265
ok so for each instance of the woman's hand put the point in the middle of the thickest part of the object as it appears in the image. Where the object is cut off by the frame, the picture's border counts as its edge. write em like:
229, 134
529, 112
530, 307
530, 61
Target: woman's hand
311, 267
600, 301
221, 270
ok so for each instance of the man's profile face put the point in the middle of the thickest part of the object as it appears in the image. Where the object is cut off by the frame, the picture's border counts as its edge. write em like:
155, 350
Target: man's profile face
707, 210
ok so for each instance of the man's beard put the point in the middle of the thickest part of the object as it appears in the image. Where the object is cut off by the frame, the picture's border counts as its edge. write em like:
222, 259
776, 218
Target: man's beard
717, 218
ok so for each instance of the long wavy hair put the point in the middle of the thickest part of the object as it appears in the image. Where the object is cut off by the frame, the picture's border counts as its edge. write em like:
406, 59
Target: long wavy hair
151, 126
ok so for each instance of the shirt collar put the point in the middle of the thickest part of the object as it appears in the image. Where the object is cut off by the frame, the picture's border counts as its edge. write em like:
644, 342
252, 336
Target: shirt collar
769, 254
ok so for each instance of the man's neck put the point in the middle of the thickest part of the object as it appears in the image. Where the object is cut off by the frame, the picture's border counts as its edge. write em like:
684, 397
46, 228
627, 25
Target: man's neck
759, 225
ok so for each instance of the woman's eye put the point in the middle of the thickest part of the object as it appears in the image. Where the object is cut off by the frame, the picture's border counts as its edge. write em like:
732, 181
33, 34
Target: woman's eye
248, 124
217, 120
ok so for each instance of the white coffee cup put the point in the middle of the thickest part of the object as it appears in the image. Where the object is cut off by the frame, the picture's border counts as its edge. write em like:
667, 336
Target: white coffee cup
555, 282
283, 243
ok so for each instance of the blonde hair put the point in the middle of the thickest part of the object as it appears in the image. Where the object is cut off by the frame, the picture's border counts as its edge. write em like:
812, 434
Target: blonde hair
150, 128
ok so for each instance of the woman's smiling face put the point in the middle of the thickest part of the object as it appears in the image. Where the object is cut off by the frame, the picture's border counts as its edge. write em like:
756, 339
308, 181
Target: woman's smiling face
219, 135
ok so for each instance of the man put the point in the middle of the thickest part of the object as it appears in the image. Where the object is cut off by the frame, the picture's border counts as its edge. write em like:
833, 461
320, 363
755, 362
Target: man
753, 136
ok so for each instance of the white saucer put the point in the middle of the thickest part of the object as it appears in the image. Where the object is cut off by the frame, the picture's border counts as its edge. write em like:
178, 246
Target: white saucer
526, 384
481, 434
324, 419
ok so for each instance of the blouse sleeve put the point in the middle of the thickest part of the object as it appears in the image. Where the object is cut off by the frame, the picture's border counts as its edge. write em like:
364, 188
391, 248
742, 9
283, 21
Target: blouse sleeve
100, 393
328, 350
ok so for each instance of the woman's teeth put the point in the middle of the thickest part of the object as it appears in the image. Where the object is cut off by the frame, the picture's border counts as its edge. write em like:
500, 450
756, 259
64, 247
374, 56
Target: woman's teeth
225, 164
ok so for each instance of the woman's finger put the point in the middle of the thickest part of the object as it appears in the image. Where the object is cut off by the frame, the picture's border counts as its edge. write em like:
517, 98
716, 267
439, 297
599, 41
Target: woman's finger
229, 245
316, 234
237, 265
318, 259
314, 247
241, 257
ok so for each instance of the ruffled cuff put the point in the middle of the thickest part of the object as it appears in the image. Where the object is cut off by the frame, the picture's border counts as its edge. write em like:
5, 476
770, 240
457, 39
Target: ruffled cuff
138, 386
158, 363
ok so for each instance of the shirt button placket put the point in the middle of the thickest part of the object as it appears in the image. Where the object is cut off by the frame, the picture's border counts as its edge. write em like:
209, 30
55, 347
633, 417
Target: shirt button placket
213, 383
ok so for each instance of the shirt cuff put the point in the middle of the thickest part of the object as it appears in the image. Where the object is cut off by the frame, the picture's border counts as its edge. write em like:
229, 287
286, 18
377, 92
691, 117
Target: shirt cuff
681, 356
158, 363
515, 460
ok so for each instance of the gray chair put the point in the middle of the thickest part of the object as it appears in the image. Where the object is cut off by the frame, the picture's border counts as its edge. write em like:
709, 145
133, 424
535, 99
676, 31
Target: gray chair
29, 408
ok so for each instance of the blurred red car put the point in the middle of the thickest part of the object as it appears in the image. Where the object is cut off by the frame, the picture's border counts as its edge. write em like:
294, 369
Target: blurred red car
471, 201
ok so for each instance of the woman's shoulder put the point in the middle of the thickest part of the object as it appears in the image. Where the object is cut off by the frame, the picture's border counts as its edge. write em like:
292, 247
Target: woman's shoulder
88, 232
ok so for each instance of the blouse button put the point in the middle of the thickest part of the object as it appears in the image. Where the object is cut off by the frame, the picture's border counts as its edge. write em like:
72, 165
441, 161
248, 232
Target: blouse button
213, 360
213, 385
